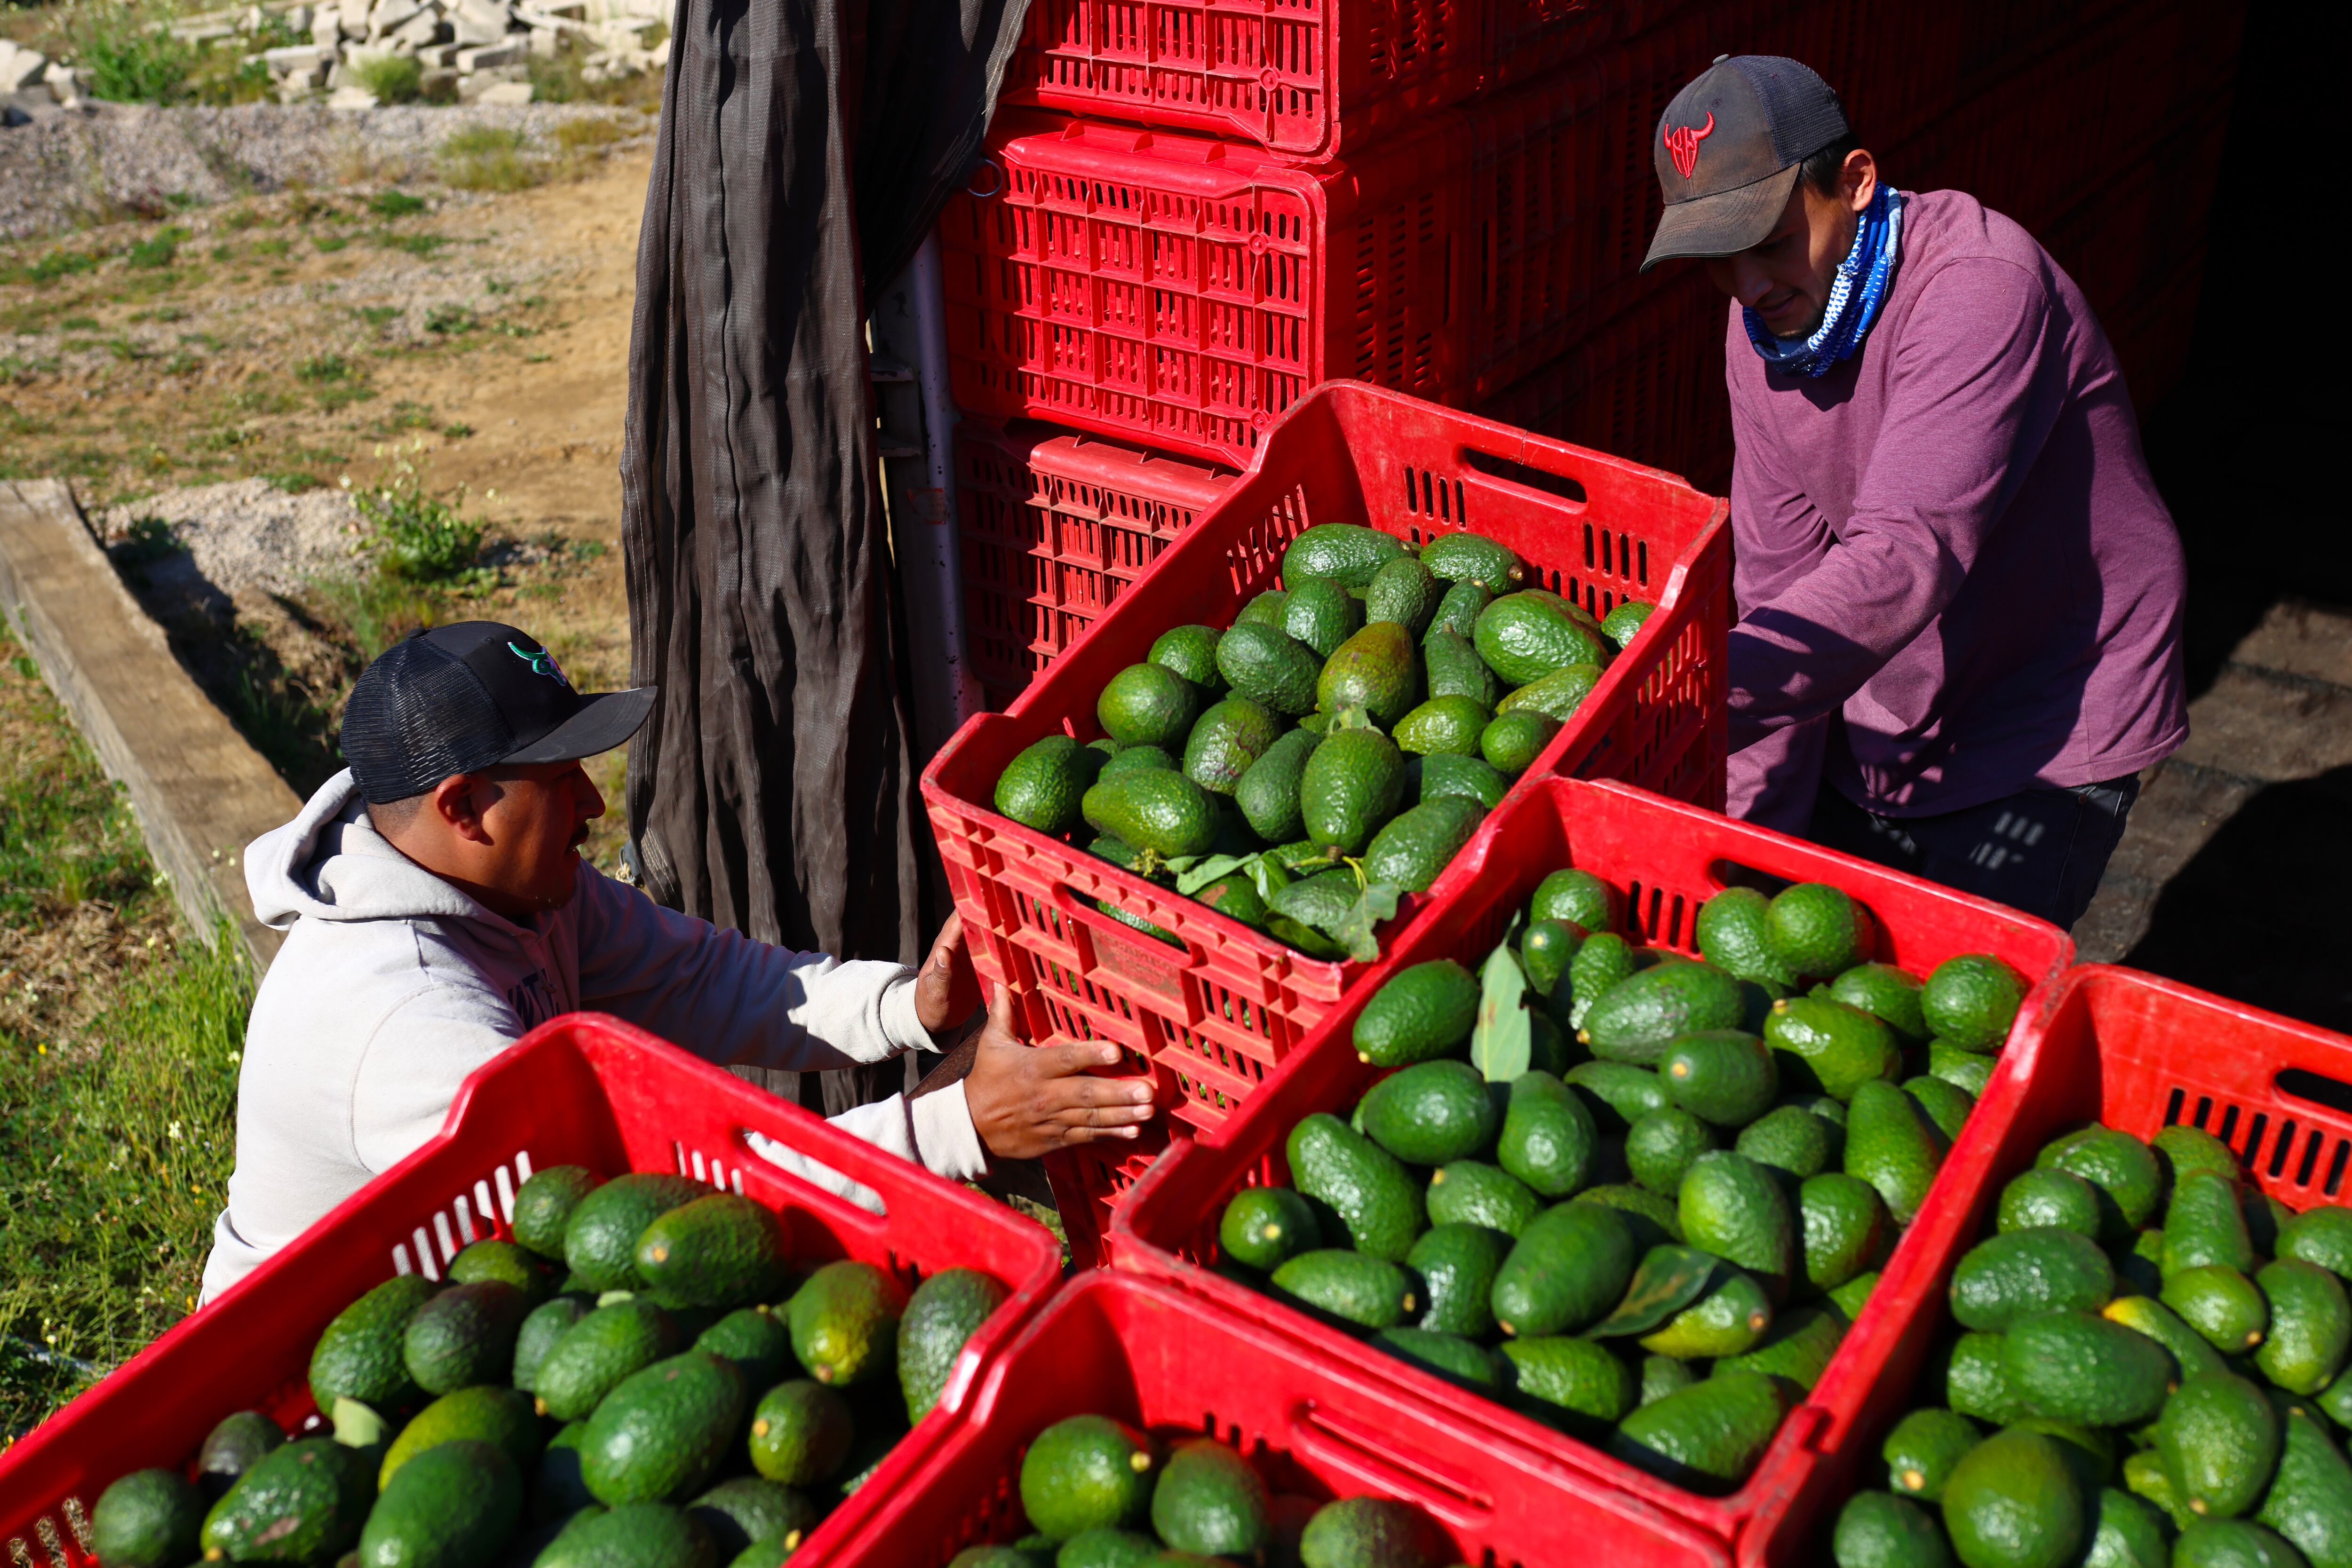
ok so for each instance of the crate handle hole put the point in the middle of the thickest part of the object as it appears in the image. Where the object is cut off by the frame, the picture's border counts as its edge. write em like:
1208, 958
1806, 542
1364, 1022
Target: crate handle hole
1513, 472
813, 1172
1732, 873
2320, 1090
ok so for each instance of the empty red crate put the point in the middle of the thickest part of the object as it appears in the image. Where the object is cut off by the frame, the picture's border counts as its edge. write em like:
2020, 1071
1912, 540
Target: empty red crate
1161, 1359
1211, 1019
1667, 860
2109, 1045
582, 1089
1055, 524
1184, 292
1307, 78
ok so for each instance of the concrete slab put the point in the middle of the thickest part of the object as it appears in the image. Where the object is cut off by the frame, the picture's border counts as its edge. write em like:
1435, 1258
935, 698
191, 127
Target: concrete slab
2299, 639
200, 791
2270, 725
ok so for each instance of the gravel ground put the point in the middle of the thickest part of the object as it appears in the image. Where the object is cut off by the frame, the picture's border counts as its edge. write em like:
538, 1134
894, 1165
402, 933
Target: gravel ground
246, 534
123, 159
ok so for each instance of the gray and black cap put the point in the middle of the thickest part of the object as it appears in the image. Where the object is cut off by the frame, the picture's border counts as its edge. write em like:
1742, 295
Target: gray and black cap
1729, 150
475, 694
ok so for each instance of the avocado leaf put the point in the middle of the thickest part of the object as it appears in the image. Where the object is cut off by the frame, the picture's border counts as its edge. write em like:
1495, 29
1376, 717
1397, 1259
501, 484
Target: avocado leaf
1204, 870
1267, 872
1502, 1042
1355, 930
1669, 1279
1305, 938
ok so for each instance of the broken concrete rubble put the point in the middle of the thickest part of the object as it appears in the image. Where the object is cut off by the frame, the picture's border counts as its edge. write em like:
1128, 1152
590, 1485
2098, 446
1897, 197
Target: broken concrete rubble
463, 48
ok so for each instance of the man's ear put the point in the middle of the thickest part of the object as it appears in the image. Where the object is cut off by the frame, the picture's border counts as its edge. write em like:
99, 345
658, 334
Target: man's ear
456, 802
1859, 178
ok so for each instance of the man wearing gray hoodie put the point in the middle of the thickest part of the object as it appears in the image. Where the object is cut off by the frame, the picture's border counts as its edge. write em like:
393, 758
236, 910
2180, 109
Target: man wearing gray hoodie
439, 909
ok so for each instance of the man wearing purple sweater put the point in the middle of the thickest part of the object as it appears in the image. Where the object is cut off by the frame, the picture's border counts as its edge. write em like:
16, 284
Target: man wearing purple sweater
1959, 594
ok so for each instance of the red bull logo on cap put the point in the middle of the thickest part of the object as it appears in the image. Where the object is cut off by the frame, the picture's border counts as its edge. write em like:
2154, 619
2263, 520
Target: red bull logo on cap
1682, 143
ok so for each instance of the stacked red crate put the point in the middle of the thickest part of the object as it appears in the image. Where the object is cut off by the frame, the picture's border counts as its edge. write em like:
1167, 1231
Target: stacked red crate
1057, 524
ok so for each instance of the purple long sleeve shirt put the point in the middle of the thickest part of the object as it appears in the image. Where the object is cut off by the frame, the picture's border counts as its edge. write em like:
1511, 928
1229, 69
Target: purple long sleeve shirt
1956, 580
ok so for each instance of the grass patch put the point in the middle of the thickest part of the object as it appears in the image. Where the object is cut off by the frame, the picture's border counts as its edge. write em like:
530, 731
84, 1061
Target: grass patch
403, 417
56, 264
578, 135
131, 63
116, 1125
159, 249
323, 368
485, 158
393, 79
329, 244
79, 324
381, 315
114, 1158
375, 611
420, 246
450, 319
395, 204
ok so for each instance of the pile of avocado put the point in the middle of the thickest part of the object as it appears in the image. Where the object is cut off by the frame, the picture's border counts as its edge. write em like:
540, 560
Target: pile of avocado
1633, 1195
648, 1409
2125, 1395
1335, 746
1101, 1494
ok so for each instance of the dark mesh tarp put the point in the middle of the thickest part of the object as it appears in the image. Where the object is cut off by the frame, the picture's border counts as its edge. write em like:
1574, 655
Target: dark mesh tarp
805, 149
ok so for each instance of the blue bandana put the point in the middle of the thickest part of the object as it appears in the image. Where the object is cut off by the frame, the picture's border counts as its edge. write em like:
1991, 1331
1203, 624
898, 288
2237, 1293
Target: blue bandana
1855, 296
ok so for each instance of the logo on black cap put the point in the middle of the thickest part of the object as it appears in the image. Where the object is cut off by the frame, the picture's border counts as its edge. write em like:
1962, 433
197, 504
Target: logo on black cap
1682, 144
543, 662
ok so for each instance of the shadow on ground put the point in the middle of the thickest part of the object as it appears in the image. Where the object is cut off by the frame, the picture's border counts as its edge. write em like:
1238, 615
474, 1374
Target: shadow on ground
2259, 913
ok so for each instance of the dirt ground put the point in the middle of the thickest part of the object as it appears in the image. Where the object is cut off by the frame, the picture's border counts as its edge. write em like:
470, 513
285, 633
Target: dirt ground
315, 338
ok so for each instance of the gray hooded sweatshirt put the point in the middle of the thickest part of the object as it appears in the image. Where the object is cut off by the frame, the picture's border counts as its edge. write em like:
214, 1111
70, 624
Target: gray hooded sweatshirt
393, 986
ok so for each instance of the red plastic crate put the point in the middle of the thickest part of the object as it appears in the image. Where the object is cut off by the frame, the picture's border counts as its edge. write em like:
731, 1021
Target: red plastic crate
2107, 1045
1209, 1022
1666, 859
582, 1089
1310, 80
1651, 385
1184, 292
1056, 525
1159, 1358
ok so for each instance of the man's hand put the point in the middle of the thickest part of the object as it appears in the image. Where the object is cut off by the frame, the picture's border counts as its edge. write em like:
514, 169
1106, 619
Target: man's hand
1027, 1101
946, 989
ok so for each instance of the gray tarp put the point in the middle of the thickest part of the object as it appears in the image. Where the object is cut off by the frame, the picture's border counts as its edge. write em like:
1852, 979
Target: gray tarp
773, 789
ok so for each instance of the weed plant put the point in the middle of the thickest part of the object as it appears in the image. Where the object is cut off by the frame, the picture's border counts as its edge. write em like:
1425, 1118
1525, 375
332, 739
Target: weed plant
419, 538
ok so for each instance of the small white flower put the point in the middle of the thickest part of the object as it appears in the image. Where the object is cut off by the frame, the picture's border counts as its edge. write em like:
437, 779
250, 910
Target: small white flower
173, 1132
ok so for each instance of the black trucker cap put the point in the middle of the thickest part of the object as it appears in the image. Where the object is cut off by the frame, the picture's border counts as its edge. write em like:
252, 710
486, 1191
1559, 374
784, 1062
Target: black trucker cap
1729, 150
475, 694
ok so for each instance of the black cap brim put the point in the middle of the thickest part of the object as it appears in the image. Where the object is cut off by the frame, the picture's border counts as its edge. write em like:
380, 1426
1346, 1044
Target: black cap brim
604, 721
1726, 222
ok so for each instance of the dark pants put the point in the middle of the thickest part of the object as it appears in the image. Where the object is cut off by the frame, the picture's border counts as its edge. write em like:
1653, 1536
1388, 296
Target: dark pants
2041, 851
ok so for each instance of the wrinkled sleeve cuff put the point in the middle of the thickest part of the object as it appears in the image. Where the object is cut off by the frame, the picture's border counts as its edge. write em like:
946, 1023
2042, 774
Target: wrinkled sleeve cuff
901, 1024
945, 1139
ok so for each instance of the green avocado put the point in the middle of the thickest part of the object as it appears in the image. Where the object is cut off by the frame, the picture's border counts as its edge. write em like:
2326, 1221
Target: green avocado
1041, 786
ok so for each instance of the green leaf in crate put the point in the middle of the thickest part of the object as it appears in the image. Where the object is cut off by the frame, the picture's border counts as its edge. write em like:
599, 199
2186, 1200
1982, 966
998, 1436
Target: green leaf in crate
1501, 1042
1669, 1279
1354, 930
1204, 870
1268, 873
1305, 938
